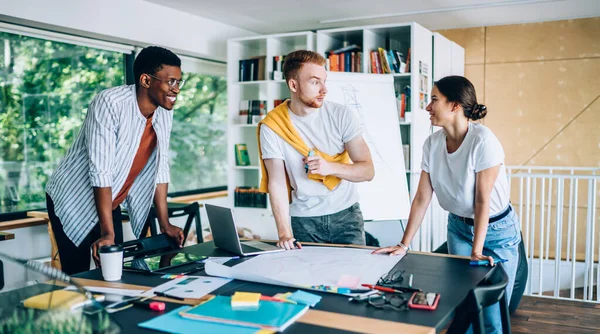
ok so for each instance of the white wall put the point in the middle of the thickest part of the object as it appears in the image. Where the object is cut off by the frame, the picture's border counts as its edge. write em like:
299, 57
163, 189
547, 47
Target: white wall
134, 20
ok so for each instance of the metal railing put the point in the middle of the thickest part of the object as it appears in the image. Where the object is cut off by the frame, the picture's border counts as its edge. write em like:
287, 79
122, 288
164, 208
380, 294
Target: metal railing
559, 212
558, 208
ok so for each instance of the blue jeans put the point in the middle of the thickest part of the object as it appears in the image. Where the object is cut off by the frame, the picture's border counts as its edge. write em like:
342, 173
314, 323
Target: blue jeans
501, 241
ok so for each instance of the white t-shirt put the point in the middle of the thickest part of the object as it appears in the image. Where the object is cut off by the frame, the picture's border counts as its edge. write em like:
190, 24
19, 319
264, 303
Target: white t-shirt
327, 129
453, 174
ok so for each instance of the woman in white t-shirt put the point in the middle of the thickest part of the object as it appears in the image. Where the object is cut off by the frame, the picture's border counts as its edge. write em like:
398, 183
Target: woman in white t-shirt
464, 164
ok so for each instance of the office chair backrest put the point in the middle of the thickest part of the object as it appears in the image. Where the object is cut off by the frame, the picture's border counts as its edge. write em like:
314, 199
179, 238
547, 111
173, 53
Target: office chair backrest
148, 246
191, 210
490, 292
493, 289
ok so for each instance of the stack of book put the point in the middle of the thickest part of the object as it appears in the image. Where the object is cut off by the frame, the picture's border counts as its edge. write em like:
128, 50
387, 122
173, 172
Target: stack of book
252, 69
269, 315
389, 61
277, 73
249, 197
346, 59
252, 111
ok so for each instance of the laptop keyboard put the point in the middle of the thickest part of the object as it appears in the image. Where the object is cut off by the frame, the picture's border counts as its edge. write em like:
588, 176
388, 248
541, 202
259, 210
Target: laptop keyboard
249, 249
255, 246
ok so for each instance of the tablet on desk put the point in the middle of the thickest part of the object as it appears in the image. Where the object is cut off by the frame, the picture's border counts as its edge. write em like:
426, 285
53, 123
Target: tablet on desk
162, 262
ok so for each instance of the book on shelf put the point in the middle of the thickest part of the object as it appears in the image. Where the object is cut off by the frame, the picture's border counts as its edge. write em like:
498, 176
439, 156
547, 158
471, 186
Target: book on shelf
241, 155
407, 67
277, 73
252, 111
402, 100
385, 66
252, 69
388, 61
249, 197
345, 62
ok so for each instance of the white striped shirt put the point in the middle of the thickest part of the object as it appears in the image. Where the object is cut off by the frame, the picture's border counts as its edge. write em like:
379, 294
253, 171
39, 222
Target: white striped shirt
102, 156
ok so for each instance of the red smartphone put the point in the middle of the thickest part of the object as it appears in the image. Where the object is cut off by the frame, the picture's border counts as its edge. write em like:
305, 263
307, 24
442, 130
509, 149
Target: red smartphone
424, 300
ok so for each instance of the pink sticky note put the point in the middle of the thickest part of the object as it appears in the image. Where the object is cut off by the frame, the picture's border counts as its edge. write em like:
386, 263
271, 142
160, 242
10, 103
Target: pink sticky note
347, 281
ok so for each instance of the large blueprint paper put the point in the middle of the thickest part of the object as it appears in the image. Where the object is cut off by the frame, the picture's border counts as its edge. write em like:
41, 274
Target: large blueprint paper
309, 266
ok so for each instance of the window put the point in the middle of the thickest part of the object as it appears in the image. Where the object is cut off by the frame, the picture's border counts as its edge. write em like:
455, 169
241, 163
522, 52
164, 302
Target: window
46, 83
45, 88
198, 155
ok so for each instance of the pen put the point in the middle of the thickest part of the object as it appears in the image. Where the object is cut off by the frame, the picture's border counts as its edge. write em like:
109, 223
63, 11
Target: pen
486, 262
410, 281
385, 289
162, 294
193, 270
347, 291
310, 154
273, 299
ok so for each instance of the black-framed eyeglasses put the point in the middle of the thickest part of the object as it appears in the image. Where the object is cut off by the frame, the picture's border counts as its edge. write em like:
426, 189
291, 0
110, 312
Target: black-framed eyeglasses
171, 82
391, 278
395, 302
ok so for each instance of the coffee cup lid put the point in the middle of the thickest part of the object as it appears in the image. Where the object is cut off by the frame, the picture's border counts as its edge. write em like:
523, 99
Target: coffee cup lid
110, 249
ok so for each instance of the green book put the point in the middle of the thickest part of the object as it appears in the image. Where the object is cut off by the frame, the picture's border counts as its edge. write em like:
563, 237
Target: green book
241, 155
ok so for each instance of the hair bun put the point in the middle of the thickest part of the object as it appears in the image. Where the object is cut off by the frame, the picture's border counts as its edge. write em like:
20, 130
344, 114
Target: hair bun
478, 112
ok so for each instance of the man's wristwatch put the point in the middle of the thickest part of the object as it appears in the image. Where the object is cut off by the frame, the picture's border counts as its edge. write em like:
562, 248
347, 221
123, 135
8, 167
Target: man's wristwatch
403, 246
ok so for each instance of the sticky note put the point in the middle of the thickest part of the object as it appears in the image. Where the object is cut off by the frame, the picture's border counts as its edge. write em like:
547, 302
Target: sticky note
347, 281
306, 298
245, 299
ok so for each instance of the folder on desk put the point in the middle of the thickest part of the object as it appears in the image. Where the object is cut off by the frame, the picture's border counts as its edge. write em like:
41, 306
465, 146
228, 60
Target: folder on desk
172, 322
62, 299
269, 315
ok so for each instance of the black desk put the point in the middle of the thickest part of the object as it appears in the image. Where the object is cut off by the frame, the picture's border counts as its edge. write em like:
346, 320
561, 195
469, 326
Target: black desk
450, 276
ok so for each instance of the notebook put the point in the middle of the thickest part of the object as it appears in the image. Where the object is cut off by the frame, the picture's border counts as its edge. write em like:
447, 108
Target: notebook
63, 299
269, 315
172, 322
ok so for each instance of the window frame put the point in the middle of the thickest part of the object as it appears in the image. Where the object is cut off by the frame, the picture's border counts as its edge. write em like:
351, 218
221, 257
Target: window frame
129, 52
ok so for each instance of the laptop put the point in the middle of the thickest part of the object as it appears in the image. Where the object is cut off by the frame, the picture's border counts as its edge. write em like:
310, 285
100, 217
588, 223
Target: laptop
225, 234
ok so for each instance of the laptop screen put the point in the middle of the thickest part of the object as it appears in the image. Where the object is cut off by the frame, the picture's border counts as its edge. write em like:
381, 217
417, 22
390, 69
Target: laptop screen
223, 228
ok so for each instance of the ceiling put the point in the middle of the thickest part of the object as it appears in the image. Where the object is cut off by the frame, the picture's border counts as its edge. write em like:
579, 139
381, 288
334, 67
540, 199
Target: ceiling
275, 16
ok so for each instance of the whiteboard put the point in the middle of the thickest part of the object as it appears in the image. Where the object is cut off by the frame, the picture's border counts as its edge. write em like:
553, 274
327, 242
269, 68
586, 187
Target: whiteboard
372, 97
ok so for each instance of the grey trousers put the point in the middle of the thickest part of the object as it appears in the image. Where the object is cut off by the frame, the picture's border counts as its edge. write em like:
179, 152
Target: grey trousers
343, 227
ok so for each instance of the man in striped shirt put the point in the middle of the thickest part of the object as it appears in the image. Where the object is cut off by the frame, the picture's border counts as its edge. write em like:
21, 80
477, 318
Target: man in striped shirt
120, 157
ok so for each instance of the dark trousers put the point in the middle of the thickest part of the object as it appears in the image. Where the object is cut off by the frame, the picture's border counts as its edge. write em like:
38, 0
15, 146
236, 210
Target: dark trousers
76, 259
344, 227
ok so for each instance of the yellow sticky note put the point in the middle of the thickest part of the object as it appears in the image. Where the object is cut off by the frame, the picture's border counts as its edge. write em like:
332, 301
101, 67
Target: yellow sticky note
245, 299
265, 331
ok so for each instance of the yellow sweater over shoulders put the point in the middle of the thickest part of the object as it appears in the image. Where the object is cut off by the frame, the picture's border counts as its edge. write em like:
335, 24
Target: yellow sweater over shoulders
279, 121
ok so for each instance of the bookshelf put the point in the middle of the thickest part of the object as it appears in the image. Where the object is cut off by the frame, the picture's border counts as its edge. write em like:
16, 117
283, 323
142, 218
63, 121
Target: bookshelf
415, 127
241, 129
425, 64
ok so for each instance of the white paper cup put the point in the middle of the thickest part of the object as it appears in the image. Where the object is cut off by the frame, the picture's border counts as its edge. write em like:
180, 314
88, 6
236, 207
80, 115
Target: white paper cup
111, 262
